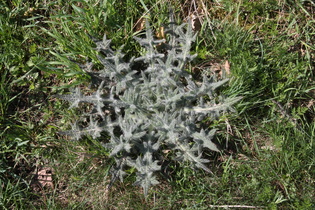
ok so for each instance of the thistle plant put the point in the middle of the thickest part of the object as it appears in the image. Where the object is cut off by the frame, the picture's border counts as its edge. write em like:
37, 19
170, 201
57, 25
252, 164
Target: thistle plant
147, 111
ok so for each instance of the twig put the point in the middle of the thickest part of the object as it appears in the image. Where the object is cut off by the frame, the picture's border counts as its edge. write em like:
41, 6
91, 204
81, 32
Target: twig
237, 206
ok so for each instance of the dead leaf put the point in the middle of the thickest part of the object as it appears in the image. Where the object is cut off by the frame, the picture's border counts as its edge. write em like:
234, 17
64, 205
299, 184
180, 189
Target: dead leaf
226, 67
160, 33
43, 179
140, 25
194, 13
310, 103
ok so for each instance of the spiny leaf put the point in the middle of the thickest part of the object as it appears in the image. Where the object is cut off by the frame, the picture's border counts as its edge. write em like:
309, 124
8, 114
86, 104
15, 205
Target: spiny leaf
205, 139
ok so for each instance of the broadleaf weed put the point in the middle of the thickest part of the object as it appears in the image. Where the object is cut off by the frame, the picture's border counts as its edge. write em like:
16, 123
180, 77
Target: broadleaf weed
147, 110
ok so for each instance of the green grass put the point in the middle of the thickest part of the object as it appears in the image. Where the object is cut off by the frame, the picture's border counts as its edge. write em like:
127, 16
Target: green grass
268, 157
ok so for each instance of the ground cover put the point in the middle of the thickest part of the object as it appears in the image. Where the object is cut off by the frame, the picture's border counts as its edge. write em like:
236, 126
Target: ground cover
266, 48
